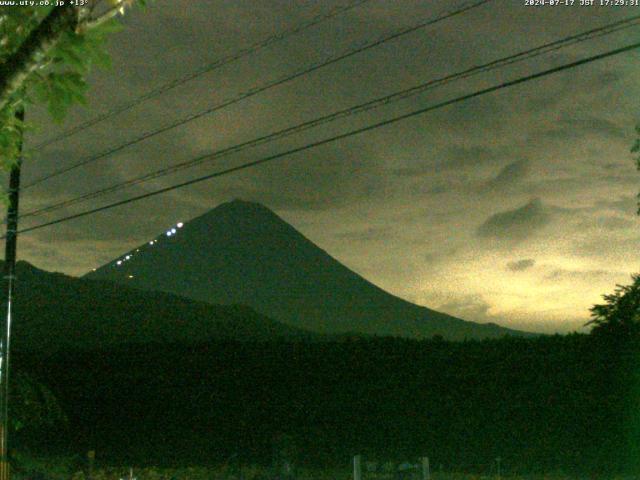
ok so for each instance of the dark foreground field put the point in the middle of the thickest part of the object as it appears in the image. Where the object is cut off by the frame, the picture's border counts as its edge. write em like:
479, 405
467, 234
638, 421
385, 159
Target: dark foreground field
260, 473
544, 405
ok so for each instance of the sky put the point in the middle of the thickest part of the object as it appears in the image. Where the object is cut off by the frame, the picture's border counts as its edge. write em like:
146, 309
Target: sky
517, 207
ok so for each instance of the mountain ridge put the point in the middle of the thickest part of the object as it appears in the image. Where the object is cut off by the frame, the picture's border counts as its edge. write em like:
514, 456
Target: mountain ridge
55, 311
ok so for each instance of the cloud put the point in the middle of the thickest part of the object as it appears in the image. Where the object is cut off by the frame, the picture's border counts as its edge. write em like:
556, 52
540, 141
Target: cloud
469, 307
331, 177
614, 223
608, 248
458, 157
521, 265
453, 159
572, 127
515, 225
441, 255
624, 204
365, 235
573, 275
511, 174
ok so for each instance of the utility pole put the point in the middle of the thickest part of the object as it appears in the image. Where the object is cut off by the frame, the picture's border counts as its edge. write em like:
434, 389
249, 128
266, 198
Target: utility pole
357, 467
426, 471
11, 241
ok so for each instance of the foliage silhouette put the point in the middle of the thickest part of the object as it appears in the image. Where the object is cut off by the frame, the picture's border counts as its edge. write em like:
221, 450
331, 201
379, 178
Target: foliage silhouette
619, 316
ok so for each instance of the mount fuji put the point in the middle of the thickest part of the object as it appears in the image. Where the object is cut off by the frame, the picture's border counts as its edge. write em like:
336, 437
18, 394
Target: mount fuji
243, 253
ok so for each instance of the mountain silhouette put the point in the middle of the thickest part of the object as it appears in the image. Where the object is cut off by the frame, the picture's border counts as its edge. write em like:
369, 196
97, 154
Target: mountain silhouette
243, 253
54, 311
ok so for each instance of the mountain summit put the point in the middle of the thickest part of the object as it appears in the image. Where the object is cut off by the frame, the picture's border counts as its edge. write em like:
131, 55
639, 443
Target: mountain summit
243, 253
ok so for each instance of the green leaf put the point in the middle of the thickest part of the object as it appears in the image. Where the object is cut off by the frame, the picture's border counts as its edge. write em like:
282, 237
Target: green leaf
107, 28
59, 79
72, 58
100, 58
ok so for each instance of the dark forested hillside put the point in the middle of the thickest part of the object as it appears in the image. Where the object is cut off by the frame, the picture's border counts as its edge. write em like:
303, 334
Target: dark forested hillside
545, 404
56, 311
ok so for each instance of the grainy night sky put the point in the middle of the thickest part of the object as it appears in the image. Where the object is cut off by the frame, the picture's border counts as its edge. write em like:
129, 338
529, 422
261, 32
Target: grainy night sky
517, 207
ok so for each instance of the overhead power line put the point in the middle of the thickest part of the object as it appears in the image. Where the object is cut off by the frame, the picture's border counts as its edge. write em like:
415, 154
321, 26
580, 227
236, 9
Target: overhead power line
210, 67
357, 109
342, 136
264, 87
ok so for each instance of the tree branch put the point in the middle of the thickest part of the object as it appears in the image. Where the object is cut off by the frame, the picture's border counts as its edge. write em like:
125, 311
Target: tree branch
108, 15
15, 70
